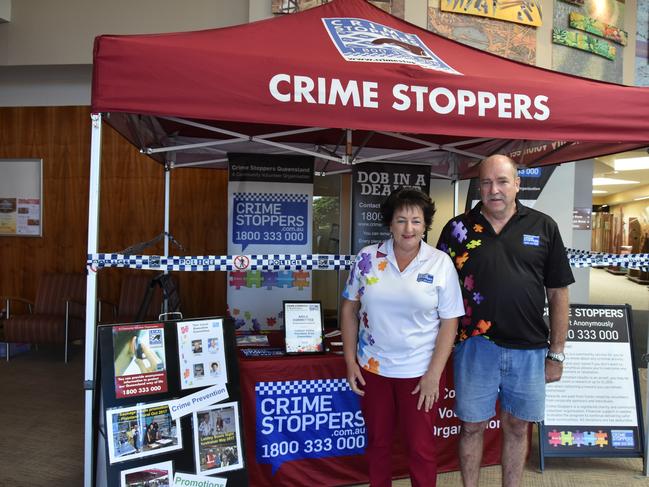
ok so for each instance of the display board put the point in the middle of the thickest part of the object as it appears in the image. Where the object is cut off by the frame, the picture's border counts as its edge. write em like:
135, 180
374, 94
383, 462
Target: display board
168, 405
21, 197
595, 409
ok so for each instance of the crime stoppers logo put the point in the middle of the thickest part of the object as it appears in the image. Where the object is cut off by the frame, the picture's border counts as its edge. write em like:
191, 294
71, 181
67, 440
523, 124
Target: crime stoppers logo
366, 41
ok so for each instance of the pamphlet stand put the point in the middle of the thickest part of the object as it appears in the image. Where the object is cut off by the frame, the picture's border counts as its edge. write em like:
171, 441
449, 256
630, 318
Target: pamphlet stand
135, 438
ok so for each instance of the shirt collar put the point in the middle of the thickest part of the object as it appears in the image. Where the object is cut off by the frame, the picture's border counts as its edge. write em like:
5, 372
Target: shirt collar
386, 249
521, 209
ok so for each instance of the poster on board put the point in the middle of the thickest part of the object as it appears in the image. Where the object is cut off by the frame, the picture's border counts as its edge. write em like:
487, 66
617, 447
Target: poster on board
201, 353
217, 439
155, 474
141, 431
140, 360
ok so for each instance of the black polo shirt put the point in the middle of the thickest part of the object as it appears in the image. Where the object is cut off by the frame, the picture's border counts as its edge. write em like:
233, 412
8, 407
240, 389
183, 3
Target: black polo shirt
504, 276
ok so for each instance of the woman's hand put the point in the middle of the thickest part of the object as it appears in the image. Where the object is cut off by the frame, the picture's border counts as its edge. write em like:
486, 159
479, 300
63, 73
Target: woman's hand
355, 378
428, 390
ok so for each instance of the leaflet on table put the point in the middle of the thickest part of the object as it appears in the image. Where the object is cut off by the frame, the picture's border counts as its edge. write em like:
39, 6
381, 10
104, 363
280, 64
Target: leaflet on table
141, 431
252, 341
158, 474
198, 400
184, 479
201, 353
217, 439
262, 352
139, 355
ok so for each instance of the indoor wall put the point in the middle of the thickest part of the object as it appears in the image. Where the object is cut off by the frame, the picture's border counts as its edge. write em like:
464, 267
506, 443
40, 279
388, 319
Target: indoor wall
132, 207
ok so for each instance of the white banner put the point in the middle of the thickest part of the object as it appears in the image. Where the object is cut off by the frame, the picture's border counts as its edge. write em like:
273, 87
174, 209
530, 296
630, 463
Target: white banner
269, 212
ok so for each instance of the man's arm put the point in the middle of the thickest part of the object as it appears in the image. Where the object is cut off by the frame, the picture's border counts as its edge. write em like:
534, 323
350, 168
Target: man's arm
558, 306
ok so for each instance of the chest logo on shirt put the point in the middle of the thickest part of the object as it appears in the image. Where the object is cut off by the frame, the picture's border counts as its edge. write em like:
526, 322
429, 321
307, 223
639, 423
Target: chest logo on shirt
531, 240
427, 278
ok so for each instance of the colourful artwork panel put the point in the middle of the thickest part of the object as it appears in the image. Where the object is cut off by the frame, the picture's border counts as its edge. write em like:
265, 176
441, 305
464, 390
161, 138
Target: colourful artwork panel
601, 29
506, 39
583, 42
519, 11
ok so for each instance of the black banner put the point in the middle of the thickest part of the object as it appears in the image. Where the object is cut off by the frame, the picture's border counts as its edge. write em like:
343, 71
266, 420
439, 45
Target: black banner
371, 185
533, 180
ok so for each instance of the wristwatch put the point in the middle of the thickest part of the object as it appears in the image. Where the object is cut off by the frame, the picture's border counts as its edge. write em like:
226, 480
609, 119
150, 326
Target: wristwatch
556, 356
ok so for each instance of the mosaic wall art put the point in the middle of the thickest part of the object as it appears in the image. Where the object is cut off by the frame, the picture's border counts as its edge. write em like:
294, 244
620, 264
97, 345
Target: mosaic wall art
527, 12
601, 29
586, 63
513, 41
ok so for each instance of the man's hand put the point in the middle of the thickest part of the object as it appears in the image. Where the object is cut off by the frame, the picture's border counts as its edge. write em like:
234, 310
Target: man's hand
553, 371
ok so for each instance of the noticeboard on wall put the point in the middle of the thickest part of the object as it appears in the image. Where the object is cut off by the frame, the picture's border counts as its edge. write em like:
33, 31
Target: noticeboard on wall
21, 197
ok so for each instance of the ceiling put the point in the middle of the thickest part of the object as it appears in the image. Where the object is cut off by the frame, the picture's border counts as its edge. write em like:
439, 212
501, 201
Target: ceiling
604, 168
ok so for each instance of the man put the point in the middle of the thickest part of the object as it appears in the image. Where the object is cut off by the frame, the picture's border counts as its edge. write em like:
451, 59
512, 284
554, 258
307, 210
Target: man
508, 258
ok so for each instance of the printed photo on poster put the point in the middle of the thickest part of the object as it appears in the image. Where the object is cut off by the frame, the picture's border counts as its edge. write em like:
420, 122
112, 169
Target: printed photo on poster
153, 475
217, 439
141, 431
139, 356
201, 353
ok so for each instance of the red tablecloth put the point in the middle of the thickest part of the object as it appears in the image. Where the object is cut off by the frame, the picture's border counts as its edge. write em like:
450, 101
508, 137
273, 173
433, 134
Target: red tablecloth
329, 470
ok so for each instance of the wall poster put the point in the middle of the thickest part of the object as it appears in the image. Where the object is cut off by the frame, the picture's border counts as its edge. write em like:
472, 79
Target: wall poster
21, 197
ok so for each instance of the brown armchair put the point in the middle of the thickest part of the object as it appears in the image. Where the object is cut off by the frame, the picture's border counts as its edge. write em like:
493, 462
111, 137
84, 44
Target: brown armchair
57, 316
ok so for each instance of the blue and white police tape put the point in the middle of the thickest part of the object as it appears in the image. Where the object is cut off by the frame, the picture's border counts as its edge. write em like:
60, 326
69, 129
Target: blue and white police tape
577, 258
222, 262
585, 258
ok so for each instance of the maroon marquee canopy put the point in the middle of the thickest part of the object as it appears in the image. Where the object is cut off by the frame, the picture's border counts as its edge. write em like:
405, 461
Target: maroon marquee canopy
350, 83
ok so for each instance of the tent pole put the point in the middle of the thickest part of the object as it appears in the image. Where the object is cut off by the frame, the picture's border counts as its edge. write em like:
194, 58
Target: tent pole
165, 305
91, 296
456, 189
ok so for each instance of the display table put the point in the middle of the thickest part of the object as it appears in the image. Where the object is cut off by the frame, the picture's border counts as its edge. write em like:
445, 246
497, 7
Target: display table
303, 425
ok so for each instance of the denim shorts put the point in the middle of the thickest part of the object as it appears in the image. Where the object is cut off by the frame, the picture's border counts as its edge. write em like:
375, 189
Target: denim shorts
485, 372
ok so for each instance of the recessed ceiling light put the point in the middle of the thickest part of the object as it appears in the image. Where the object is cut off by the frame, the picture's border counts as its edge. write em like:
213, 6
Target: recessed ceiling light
641, 198
631, 164
599, 191
611, 181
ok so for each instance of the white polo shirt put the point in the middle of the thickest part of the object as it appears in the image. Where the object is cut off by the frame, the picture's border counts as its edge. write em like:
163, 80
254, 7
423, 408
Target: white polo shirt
400, 312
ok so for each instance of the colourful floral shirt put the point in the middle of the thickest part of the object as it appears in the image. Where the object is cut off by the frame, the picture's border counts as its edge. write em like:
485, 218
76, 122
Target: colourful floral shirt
400, 312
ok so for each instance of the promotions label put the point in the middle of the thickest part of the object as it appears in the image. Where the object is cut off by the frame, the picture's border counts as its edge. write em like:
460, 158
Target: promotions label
270, 218
307, 419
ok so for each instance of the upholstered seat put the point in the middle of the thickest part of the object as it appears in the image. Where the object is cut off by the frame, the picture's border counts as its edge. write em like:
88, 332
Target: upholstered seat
57, 317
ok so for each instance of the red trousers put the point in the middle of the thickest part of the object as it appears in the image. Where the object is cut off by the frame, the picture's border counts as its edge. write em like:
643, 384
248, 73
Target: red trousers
387, 400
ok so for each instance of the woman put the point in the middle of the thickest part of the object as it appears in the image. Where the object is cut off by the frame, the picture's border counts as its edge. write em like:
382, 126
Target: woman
399, 319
